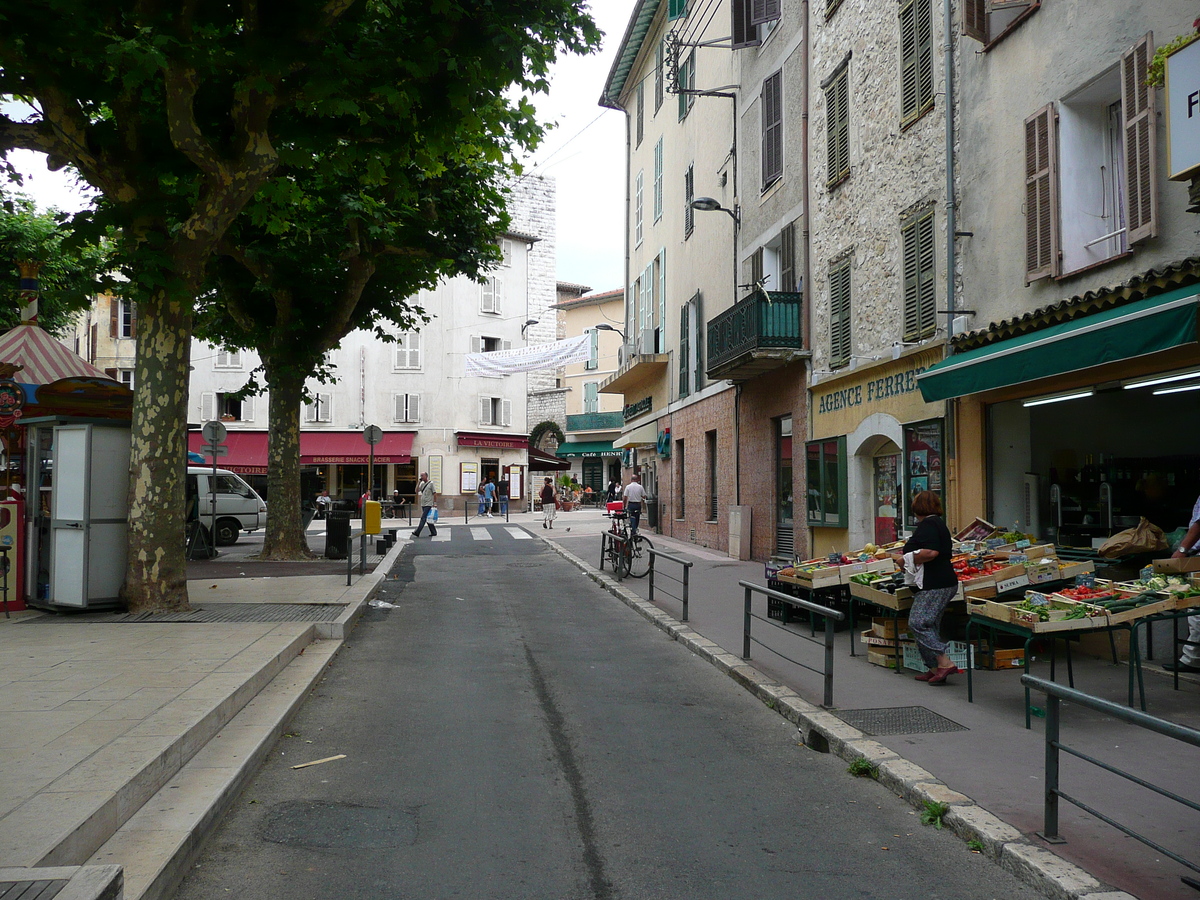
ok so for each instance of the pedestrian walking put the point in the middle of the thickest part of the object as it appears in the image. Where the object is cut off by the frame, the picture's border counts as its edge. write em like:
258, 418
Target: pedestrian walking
1189, 659
502, 489
549, 503
489, 496
927, 556
634, 496
427, 497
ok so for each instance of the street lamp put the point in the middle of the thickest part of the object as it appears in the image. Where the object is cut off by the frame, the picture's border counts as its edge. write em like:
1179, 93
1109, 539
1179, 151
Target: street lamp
710, 204
527, 324
603, 327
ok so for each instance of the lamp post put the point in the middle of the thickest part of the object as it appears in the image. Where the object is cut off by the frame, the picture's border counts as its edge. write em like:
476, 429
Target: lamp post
710, 204
528, 322
603, 327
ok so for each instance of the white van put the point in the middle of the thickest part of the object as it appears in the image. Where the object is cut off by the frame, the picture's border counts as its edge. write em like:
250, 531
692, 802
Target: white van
239, 508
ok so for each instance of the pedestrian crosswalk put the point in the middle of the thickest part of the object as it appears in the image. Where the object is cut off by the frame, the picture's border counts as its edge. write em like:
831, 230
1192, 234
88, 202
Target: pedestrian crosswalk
478, 533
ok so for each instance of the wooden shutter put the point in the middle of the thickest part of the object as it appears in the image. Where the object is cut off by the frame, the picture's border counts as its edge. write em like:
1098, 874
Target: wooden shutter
399, 405
487, 296
505, 412
909, 76
1041, 195
975, 20
658, 180
926, 276
662, 301
772, 128
324, 407
762, 11
207, 406
839, 314
247, 410
660, 55
689, 194
476, 344
485, 410
593, 360
641, 112
924, 22
837, 128
787, 257
684, 387
506, 345
638, 199
1138, 130
696, 321
744, 31
413, 411
114, 316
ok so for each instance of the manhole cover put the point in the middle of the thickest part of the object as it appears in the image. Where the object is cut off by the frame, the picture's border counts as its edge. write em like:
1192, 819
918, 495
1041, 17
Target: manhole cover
339, 826
898, 720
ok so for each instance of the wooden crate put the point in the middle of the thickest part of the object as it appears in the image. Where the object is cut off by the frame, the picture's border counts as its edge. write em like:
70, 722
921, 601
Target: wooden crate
1043, 571
883, 566
902, 599
820, 577
1071, 569
983, 586
984, 606
1165, 605
875, 658
1002, 659
880, 644
1058, 618
885, 627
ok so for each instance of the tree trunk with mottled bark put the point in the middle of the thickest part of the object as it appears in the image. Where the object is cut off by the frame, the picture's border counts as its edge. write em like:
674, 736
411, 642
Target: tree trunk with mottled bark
156, 574
285, 536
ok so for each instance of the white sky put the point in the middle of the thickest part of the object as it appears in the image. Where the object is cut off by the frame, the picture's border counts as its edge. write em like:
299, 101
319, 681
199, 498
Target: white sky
584, 152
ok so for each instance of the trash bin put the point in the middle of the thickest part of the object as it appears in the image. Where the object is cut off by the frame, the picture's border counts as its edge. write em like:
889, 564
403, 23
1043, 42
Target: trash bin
337, 531
651, 512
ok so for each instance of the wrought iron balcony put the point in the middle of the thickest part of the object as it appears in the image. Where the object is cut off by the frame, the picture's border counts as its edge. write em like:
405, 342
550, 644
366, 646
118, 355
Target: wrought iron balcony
757, 334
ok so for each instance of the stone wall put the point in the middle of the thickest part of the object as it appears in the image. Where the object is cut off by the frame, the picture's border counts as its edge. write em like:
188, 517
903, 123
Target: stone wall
532, 205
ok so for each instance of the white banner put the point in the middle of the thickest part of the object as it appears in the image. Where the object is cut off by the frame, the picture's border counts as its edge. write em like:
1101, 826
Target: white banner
530, 359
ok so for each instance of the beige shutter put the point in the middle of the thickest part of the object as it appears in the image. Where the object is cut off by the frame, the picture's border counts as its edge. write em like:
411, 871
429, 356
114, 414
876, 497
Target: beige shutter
413, 413
974, 20
1041, 195
485, 410
1138, 129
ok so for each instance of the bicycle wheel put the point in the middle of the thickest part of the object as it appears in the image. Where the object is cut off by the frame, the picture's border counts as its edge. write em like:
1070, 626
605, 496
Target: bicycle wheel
619, 559
639, 556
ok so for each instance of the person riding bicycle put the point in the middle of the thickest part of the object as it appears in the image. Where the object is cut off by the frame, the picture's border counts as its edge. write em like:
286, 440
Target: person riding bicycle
634, 496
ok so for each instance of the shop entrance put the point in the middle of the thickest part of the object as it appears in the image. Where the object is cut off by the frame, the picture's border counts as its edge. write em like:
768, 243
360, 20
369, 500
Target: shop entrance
785, 528
886, 501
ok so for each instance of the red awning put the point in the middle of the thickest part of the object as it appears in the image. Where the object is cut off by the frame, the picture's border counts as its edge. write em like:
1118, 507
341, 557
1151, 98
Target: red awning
544, 462
493, 441
348, 448
247, 451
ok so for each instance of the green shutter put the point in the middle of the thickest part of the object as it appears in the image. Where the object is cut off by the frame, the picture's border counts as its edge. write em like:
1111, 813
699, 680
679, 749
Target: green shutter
684, 354
908, 61
839, 314
926, 269
676, 9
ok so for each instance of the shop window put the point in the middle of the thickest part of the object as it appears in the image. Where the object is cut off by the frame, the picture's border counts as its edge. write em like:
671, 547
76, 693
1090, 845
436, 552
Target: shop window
923, 445
827, 483
593, 473
1090, 172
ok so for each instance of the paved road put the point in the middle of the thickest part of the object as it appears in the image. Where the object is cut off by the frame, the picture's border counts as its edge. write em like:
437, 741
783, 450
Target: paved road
512, 731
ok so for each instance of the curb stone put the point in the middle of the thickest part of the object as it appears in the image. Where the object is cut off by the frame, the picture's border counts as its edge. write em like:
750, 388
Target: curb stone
821, 730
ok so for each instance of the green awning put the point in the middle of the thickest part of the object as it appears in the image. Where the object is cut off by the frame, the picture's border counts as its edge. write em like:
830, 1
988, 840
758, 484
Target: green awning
1135, 329
587, 448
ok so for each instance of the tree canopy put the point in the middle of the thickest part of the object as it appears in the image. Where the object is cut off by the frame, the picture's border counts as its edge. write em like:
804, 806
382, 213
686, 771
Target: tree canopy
180, 113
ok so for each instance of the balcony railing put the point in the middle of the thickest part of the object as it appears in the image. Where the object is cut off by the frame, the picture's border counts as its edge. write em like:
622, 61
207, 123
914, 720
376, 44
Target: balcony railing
595, 421
757, 334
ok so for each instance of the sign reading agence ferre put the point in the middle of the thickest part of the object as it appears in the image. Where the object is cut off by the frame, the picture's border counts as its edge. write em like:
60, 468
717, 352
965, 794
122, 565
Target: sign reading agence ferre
877, 389
839, 407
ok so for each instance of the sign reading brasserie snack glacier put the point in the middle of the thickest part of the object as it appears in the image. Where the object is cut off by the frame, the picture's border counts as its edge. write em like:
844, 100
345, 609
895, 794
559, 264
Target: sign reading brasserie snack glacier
1183, 112
530, 359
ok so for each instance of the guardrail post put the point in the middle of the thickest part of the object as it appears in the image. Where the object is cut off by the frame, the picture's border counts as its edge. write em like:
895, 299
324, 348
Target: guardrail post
1049, 830
603, 542
686, 569
349, 561
746, 628
651, 575
829, 662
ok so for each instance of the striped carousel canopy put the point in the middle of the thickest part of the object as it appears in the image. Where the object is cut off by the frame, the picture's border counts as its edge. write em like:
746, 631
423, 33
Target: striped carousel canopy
41, 357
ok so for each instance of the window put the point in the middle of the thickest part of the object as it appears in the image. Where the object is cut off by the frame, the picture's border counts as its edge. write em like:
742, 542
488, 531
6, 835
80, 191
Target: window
710, 446
407, 407
495, 411
839, 313
226, 407
756, 268
490, 293
772, 129
637, 209
920, 303
837, 126
676, 9
228, 359
660, 55
826, 461
989, 21
125, 377
689, 347
591, 396
407, 351
319, 409
506, 252
484, 344
788, 280
122, 318
747, 16
1073, 219
640, 103
689, 194
593, 360
687, 83
916, 60
680, 481
658, 180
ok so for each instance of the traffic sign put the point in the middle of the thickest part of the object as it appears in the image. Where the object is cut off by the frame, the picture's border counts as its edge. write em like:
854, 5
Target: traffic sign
214, 450
372, 434
214, 432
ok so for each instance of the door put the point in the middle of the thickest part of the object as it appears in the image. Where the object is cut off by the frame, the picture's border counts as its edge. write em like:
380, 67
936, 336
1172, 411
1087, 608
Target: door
785, 533
886, 502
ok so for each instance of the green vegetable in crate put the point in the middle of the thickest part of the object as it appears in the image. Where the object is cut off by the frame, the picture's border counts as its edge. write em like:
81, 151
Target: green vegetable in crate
1079, 612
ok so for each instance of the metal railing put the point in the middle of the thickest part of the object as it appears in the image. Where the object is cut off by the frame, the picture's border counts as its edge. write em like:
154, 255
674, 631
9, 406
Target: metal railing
683, 598
830, 616
1055, 694
607, 538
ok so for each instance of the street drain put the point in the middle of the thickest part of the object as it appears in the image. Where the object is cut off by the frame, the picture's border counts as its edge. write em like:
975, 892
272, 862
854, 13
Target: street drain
898, 720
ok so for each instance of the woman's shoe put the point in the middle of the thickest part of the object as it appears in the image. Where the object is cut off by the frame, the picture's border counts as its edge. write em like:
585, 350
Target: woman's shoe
924, 676
940, 675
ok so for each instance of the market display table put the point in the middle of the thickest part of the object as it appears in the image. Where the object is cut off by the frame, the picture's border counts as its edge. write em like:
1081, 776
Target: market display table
889, 606
1135, 651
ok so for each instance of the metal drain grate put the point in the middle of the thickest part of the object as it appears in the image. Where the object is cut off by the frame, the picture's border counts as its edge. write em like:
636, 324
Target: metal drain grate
898, 720
214, 612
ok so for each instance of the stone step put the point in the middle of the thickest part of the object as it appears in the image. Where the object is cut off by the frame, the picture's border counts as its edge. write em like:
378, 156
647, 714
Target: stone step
66, 821
159, 844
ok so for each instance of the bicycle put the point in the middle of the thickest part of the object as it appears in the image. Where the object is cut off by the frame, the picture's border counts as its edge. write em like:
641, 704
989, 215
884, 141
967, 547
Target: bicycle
631, 552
